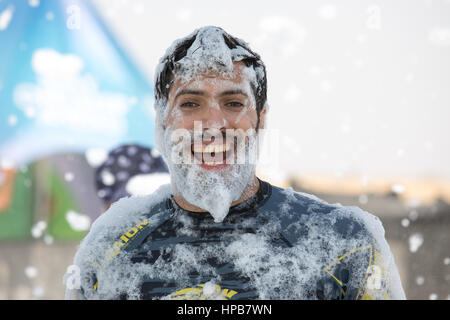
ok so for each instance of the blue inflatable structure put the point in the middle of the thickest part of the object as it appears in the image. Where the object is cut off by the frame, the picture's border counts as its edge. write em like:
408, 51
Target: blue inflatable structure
65, 83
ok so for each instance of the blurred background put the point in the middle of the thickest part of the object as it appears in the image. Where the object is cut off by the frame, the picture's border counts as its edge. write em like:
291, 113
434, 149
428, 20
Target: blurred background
359, 113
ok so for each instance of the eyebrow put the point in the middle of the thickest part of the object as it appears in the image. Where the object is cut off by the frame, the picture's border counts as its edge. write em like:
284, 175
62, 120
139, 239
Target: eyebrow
202, 93
189, 91
232, 92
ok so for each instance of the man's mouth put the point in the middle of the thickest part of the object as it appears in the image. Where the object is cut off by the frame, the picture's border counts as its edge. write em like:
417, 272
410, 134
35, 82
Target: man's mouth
212, 156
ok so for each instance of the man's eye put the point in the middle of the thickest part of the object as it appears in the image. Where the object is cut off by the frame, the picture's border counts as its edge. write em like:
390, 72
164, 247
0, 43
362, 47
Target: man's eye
189, 105
234, 104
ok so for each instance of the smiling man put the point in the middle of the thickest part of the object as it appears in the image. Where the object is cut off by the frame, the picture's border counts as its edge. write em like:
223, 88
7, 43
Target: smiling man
218, 231
218, 109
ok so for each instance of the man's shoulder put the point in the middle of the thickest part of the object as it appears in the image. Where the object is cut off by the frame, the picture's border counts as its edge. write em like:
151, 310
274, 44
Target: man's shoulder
287, 199
124, 221
129, 210
299, 214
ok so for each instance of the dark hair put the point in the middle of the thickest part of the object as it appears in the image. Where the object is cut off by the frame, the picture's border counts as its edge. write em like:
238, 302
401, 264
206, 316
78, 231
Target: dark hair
164, 76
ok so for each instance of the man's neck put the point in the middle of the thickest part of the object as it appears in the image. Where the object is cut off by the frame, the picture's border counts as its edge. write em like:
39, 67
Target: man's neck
249, 191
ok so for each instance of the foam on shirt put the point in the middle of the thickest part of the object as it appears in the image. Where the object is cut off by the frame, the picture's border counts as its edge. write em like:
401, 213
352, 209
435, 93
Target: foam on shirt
276, 272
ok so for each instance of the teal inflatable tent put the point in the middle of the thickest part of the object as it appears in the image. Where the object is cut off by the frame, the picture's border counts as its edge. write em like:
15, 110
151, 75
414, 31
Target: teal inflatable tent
65, 86
65, 83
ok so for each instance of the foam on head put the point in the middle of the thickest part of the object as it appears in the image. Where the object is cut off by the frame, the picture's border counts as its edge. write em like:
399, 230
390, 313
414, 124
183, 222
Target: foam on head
209, 54
212, 51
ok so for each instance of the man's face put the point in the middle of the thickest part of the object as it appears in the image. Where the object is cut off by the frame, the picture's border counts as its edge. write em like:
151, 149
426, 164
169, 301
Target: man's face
214, 103
213, 99
219, 108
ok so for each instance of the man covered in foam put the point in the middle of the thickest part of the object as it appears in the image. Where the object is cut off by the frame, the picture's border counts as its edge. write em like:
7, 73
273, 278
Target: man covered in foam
217, 231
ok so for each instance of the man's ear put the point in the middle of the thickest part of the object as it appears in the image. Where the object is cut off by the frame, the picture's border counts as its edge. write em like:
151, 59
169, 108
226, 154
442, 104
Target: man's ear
262, 118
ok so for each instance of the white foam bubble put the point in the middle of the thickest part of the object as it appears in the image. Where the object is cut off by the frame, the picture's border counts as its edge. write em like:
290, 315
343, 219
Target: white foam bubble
78, 221
415, 242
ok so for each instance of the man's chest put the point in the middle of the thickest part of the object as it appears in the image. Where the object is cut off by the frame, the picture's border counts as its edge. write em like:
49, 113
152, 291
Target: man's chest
243, 266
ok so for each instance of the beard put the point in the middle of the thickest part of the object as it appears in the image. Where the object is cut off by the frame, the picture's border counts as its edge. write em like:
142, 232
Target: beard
210, 190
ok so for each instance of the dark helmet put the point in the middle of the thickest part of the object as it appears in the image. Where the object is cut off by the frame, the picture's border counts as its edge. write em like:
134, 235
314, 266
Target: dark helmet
123, 163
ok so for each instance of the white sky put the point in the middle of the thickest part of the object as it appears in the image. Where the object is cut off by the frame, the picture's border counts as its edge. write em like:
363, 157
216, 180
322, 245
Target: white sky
354, 86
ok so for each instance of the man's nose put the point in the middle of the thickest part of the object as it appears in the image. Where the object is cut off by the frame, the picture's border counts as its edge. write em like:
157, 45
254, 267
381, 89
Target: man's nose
214, 119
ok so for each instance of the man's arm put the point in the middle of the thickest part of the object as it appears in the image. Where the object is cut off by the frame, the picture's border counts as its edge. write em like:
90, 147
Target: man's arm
366, 269
363, 273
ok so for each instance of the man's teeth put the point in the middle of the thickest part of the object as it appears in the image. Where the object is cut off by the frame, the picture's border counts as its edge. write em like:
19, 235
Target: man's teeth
210, 148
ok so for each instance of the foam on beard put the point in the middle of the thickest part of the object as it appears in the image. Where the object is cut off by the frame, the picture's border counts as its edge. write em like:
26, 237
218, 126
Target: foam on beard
213, 191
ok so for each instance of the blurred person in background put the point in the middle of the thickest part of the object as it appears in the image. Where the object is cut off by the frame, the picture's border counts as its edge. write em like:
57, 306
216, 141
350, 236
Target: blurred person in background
126, 169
